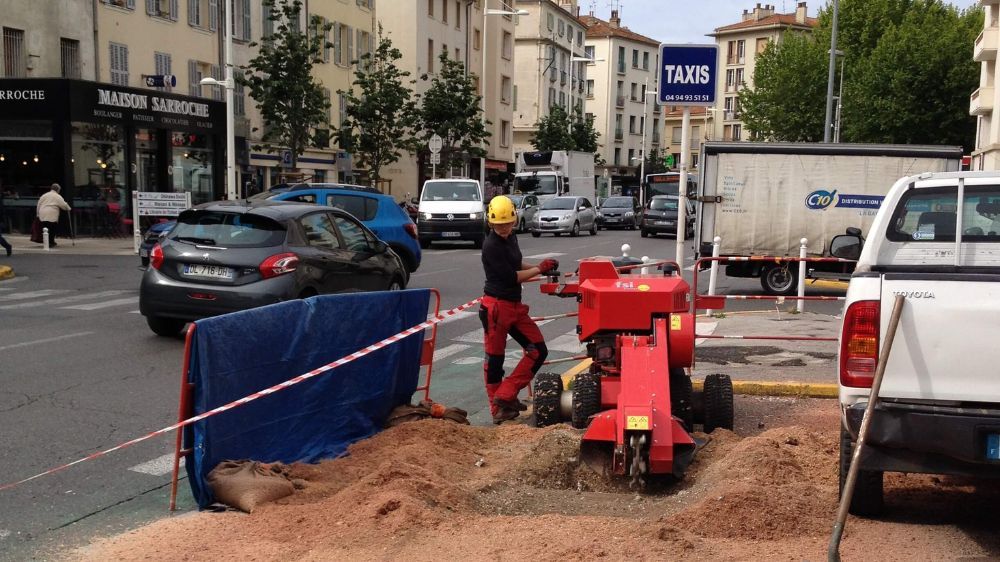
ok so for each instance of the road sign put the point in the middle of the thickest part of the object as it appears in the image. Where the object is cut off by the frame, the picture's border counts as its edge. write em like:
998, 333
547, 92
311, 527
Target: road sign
435, 144
435, 158
669, 161
156, 204
160, 80
687, 75
286, 158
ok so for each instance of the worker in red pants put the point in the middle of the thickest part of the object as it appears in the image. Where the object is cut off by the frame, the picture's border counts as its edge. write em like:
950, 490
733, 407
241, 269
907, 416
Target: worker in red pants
503, 314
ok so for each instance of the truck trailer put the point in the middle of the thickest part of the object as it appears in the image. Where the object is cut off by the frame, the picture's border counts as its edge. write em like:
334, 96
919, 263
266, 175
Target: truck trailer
555, 173
761, 199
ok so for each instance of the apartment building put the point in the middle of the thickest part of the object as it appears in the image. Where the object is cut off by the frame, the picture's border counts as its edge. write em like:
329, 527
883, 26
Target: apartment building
47, 38
421, 30
985, 99
546, 43
616, 95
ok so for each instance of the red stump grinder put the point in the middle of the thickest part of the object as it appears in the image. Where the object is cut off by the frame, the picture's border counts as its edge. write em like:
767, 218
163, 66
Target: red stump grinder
636, 401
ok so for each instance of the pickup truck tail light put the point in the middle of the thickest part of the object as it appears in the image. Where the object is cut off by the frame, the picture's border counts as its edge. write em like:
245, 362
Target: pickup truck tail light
278, 264
859, 344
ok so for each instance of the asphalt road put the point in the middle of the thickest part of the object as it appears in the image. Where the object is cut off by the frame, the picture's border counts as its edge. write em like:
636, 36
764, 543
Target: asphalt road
80, 372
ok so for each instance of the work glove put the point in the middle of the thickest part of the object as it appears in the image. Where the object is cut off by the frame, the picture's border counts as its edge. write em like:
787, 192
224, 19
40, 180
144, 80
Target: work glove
547, 265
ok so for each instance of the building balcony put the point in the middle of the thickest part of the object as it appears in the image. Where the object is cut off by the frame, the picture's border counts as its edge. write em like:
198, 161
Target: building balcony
620, 101
981, 101
619, 135
986, 45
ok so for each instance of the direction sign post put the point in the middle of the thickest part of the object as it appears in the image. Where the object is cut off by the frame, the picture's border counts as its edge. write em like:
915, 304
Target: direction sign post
155, 204
434, 144
687, 78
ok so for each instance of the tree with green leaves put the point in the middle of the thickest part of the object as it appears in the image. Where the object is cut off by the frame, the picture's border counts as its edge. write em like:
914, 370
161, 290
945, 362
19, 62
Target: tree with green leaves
450, 108
560, 131
908, 74
293, 105
381, 116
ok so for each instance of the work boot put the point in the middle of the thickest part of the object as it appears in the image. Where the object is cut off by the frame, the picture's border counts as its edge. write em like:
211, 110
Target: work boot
504, 414
491, 389
515, 404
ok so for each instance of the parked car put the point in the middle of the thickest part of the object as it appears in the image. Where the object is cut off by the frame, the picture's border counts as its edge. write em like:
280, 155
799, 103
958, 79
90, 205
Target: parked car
619, 212
233, 255
565, 214
379, 212
270, 192
660, 217
153, 235
527, 207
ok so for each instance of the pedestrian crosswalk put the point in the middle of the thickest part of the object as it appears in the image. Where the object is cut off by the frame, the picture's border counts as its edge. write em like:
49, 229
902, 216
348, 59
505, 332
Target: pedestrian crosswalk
22, 297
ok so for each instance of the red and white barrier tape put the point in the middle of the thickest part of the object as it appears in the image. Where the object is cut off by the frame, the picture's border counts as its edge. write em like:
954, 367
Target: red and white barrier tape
555, 316
247, 399
785, 338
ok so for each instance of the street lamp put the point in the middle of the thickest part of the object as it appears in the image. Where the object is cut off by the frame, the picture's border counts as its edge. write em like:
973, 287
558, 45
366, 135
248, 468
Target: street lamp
482, 78
232, 193
839, 97
642, 164
830, 71
572, 59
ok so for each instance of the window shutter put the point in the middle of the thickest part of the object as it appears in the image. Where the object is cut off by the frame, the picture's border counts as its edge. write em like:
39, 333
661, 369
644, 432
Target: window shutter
124, 58
326, 41
246, 19
267, 24
193, 12
350, 46
329, 108
217, 92
174, 9
337, 44
193, 87
360, 43
151, 7
130, 4
213, 15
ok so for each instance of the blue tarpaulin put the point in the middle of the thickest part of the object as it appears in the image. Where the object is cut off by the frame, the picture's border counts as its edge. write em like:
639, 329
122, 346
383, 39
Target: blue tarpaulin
237, 354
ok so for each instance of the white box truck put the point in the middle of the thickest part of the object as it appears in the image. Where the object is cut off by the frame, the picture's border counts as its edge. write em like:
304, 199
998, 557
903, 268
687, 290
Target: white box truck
554, 173
761, 199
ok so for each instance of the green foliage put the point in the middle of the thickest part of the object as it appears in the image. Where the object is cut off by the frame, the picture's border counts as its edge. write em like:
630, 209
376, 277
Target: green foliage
908, 74
451, 108
788, 102
279, 79
380, 117
655, 162
560, 131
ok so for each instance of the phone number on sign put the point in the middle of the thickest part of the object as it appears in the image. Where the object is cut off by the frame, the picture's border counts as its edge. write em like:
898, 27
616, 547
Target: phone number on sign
687, 97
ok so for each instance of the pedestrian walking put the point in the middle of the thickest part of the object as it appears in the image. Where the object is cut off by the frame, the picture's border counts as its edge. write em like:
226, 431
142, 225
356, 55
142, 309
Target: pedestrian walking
48, 209
502, 313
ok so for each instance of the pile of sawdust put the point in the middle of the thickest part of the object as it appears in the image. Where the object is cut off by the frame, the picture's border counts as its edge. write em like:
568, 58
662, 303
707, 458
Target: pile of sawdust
433, 490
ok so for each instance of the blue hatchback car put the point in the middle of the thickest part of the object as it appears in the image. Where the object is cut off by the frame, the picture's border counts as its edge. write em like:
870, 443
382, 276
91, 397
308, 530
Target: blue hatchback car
379, 212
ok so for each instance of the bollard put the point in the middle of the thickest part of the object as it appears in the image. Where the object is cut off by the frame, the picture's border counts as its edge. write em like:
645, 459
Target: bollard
45, 238
801, 304
625, 250
645, 270
714, 272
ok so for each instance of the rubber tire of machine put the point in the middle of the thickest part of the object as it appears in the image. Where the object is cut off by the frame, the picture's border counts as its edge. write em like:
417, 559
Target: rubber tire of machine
718, 397
586, 398
548, 396
682, 397
868, 499
771, 288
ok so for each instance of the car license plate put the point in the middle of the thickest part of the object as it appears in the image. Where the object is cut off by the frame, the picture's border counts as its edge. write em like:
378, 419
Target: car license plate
665, 222
210, 271
611, 219
143, 253
993, 446
451, 234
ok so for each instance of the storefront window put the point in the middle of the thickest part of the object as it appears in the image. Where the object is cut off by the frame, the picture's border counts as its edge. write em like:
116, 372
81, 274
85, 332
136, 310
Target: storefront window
191, 166
27, 169
100, 199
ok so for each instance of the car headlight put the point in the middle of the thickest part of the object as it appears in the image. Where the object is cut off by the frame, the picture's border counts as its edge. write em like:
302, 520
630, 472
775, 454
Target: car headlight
629, 214
425, 216
475, 216
567, 216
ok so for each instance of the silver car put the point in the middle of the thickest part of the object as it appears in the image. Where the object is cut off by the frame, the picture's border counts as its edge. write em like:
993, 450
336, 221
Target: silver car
527, 207
565, 214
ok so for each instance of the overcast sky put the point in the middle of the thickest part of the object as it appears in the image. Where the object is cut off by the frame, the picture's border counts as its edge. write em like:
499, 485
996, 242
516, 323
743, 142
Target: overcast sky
687, 21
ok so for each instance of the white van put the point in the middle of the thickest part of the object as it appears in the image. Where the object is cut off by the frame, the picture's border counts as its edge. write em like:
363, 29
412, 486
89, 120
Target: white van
451, 209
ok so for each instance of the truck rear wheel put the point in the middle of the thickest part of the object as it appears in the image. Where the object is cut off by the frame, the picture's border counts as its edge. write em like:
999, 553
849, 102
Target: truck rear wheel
779, 279
868, 499
548, 395
718, 397
586, 398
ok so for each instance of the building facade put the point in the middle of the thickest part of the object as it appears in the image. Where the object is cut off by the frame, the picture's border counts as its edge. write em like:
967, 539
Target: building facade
616, 97
984, 101
547, 40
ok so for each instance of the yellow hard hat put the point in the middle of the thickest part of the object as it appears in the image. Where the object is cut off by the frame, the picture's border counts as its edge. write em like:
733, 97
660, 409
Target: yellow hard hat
501, 210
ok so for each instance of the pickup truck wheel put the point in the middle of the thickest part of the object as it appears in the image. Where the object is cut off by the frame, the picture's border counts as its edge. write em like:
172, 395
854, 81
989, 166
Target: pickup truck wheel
548, 395
718, 397
586, 398
779, 279
682, 397
868, 499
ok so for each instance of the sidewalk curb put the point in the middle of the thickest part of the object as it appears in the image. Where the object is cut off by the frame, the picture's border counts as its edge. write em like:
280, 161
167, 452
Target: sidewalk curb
6, 272
747, 388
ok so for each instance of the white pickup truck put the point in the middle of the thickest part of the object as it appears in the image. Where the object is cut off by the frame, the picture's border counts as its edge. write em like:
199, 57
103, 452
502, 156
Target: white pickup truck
939, 404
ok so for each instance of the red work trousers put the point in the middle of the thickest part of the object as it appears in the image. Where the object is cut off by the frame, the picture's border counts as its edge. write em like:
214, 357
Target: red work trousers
501, 318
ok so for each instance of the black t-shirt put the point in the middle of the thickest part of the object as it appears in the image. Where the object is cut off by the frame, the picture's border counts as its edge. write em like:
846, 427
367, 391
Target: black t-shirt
501, 262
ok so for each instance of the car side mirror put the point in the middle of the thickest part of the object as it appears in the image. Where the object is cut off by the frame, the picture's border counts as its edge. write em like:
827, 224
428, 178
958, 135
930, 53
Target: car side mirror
582, 208
854, 231
846, 246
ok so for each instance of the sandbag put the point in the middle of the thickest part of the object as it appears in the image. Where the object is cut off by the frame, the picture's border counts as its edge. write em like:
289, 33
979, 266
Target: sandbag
246, 484
426, 409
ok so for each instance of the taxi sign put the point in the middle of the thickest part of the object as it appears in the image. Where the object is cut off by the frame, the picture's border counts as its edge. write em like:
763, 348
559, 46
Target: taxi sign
687, 75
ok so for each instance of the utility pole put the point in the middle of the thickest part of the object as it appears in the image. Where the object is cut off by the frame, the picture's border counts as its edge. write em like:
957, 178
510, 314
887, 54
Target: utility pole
828, 122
